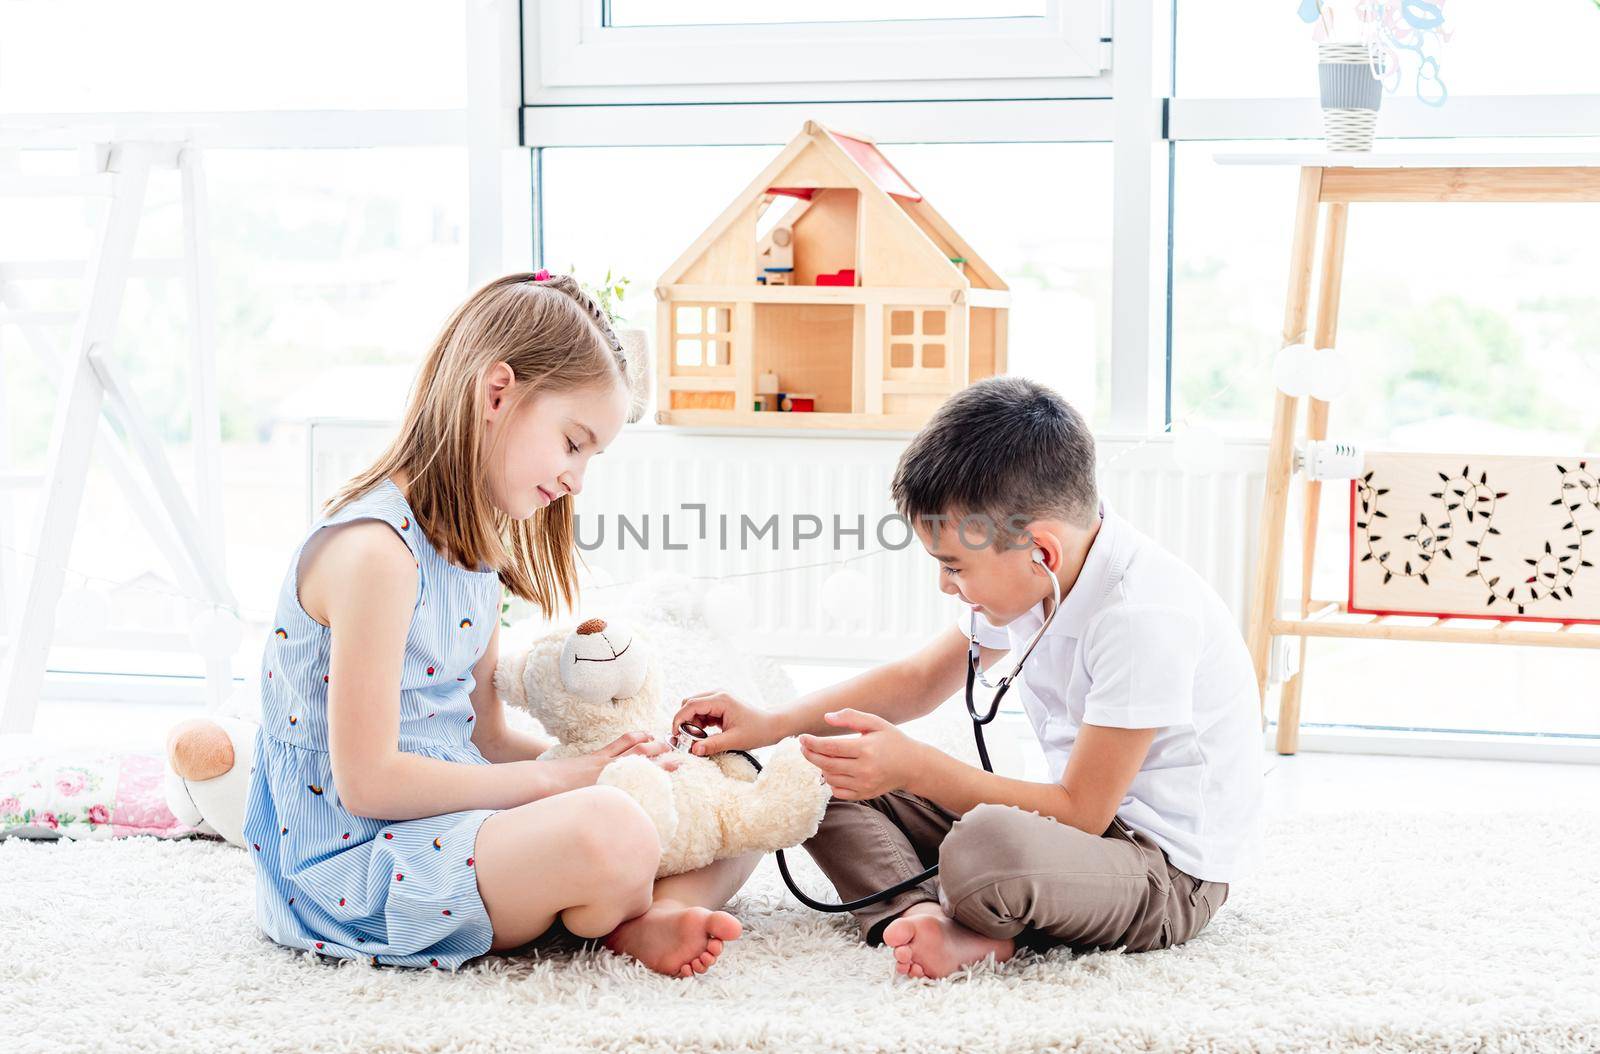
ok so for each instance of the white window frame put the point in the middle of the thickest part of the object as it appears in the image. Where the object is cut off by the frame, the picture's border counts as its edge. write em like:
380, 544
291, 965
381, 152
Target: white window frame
576, 50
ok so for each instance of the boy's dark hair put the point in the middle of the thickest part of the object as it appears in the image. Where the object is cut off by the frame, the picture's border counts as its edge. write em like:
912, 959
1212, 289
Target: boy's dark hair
1005, 449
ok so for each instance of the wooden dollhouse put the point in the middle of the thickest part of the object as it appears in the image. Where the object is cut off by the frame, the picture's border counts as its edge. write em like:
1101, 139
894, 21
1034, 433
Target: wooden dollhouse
829, 294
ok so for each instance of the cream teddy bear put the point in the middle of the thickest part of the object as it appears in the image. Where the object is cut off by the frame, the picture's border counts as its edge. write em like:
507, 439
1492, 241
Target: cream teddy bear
591, 684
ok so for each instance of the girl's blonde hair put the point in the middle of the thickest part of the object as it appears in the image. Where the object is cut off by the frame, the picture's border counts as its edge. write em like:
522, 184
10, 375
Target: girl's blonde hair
555, 338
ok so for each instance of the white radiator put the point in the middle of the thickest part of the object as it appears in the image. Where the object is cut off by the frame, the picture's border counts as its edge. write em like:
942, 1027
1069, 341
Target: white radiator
650, 472
1211, 520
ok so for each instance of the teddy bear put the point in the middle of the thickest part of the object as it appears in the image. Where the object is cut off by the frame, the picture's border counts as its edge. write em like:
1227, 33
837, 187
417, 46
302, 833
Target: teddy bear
590, 684
209, 759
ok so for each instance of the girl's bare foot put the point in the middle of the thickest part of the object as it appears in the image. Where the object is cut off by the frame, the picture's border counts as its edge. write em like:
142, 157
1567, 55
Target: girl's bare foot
675, 939
929, 943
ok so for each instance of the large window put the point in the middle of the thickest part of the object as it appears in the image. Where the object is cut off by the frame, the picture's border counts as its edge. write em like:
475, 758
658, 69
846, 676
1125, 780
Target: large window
333, 271
191, 55
347, 212
336, 159
1465, 326
1259, 48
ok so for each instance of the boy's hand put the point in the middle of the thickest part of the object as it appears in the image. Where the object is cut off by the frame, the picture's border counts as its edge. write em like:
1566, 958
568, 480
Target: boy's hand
881, 759
742, 726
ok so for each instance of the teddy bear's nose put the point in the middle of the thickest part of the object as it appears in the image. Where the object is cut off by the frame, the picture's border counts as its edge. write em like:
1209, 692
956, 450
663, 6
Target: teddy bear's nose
594, 625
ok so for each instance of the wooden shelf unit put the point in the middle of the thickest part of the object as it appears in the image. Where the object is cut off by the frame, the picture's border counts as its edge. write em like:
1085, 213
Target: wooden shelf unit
1325, 620
1329, 185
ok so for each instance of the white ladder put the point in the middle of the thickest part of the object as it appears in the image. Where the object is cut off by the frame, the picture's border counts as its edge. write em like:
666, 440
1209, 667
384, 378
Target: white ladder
93, 395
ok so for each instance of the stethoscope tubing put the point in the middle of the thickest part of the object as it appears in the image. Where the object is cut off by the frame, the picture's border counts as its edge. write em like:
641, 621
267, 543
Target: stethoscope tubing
974, 675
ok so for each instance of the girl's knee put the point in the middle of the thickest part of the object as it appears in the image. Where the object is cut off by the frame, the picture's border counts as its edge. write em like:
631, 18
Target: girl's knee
616, 837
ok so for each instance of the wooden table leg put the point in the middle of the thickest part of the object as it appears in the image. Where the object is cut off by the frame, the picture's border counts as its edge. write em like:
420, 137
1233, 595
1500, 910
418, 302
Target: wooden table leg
1280, 451
1327, 333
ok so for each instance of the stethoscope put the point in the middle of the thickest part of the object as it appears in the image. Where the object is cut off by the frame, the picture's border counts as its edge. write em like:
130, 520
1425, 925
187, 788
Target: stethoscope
690, 731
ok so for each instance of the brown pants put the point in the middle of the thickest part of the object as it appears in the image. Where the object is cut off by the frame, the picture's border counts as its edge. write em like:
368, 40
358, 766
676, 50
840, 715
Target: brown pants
1004, 872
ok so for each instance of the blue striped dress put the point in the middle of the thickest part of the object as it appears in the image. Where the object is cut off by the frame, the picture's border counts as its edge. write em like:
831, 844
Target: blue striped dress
399, 893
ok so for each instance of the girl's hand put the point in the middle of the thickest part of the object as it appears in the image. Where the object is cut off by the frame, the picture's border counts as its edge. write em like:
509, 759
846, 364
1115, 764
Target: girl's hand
642, 744
742, 726
558, 775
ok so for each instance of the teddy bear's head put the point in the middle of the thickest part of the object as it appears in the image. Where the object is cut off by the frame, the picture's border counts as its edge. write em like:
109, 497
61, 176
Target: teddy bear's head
586, 685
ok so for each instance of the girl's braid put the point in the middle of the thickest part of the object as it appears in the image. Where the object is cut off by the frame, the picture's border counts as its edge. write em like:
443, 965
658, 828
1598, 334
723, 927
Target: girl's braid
635, 373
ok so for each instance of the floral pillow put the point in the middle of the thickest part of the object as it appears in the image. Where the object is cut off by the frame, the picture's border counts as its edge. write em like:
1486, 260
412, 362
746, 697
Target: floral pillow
88, 796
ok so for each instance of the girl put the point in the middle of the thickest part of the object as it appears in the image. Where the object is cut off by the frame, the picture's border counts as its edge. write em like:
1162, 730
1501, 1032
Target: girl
392, 814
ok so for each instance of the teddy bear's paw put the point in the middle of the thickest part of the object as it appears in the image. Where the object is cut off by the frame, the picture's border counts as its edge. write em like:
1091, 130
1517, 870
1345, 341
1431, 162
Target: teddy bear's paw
788, 765
788, 798
648, 784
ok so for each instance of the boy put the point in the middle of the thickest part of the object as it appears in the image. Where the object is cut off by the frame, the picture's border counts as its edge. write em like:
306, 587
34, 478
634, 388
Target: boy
1141, 693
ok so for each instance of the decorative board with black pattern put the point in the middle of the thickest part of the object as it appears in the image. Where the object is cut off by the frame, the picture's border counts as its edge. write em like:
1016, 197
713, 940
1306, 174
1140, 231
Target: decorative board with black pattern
1458, 536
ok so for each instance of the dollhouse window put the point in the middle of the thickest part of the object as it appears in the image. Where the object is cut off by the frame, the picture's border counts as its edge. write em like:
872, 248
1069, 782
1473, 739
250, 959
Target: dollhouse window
702, 336
910, 346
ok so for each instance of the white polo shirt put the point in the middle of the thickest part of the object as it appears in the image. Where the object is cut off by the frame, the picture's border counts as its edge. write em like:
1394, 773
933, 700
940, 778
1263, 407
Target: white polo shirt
1142, 641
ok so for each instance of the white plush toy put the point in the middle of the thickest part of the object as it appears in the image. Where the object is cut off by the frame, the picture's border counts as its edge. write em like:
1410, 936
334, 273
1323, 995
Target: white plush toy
209, 761
590, 684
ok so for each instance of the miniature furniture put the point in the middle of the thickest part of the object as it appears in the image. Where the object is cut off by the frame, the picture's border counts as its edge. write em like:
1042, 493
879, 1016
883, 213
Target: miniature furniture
1329, 184
831, 271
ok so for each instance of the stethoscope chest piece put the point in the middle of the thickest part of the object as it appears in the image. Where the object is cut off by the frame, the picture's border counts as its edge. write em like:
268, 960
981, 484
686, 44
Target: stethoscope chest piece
688, 732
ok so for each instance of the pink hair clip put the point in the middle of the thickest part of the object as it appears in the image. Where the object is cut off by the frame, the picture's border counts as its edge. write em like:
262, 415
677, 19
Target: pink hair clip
541, 275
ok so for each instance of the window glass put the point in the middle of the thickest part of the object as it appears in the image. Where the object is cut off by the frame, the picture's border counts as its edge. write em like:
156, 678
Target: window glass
79, 56
333, 270
1261, 48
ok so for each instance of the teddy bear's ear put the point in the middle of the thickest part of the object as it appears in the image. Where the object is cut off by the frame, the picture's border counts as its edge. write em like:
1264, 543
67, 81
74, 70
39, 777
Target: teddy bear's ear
508, 679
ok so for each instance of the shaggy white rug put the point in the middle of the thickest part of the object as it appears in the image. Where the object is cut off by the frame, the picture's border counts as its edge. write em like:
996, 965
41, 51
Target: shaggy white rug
1400, 932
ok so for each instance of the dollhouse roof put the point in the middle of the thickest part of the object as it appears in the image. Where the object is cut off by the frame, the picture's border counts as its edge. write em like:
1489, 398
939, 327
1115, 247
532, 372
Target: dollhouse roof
906, 238
878, 168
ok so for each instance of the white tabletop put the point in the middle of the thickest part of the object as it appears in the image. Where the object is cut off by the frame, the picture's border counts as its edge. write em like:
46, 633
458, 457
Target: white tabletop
1378, 159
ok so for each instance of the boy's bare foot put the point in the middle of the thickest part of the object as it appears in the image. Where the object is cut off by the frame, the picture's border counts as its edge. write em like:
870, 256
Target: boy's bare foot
929, 943
675, 939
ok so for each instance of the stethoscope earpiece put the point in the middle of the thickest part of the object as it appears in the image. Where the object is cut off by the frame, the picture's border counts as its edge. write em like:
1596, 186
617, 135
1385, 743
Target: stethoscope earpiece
973, 655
